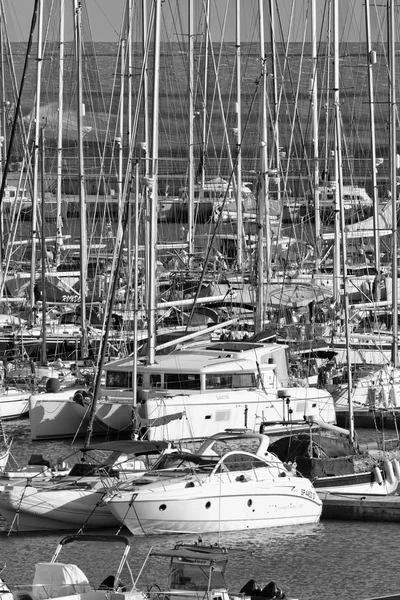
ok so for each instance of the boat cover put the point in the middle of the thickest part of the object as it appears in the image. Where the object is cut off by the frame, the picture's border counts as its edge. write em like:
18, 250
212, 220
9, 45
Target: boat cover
53, 580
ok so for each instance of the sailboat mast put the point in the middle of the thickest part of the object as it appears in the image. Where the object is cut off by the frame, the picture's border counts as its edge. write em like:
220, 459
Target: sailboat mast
152, 276
339, 195
43, 251
276, 145
338, 199
146, 143
263, 216
314, 106
205, 85
129, 117
371, 59
82, 207
191, 131
239, 212
120, 140
393, 173
34, 234
59, 238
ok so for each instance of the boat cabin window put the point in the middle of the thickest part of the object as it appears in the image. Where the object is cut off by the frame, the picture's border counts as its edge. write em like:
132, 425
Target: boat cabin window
228, 380
117, 379
196, 577
242, 462
181, 381
155, 380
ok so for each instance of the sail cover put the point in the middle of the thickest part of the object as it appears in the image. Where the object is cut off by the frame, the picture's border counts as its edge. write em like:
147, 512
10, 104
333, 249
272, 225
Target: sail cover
365, 228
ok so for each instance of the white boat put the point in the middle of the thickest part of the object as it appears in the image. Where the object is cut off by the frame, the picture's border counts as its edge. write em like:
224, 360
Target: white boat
13, 403
203, 388
206, 492
62, 498
195, 571
335, 466
5, 448
61, 414
56, 579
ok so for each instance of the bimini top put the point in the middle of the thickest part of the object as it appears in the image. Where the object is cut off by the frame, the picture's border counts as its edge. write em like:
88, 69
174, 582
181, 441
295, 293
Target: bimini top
203, 356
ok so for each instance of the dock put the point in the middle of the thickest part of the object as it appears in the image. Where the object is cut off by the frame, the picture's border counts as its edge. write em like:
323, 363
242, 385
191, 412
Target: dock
360, 507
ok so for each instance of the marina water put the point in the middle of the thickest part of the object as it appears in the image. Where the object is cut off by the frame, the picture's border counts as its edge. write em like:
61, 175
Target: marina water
330, 560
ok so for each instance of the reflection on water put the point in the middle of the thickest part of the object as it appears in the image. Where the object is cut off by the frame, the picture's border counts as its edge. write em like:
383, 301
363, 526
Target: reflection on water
330, 560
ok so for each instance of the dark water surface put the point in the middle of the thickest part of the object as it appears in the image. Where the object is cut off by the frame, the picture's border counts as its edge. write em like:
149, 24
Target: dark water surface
330, 560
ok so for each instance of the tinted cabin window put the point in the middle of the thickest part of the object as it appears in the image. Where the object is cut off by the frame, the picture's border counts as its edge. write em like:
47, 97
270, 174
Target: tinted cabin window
223, 380
181, 381
196, 577
242, 462
155, 381
118, 379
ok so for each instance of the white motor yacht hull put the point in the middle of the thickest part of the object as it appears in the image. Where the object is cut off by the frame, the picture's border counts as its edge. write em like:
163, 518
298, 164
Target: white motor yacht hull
216, 506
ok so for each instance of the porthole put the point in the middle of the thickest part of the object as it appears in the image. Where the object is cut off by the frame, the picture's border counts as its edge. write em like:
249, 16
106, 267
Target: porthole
208, 504
249, 502
162, 507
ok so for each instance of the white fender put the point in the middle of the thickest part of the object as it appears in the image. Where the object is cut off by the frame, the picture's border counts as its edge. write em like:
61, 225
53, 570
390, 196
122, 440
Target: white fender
394, 400
389, 472
384, 398
396, 468
377, 475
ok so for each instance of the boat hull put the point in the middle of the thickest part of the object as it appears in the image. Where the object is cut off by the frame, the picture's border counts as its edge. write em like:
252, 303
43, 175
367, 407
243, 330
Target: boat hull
57, 415
209, 508
13, 404
202, 415
30, 509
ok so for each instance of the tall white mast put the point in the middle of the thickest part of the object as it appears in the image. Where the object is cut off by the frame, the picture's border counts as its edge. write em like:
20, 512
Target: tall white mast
129, 120
314, 106
120, 140
239, 256
191, 134
393, 173
205, 120
337, 274
371, 58
276, 145
82, 203
152, 278
263, 212
146, 141
59, 238
340, 217
36, 151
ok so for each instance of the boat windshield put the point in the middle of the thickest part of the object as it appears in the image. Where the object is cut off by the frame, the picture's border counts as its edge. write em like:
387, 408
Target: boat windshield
183, 461
196, 577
